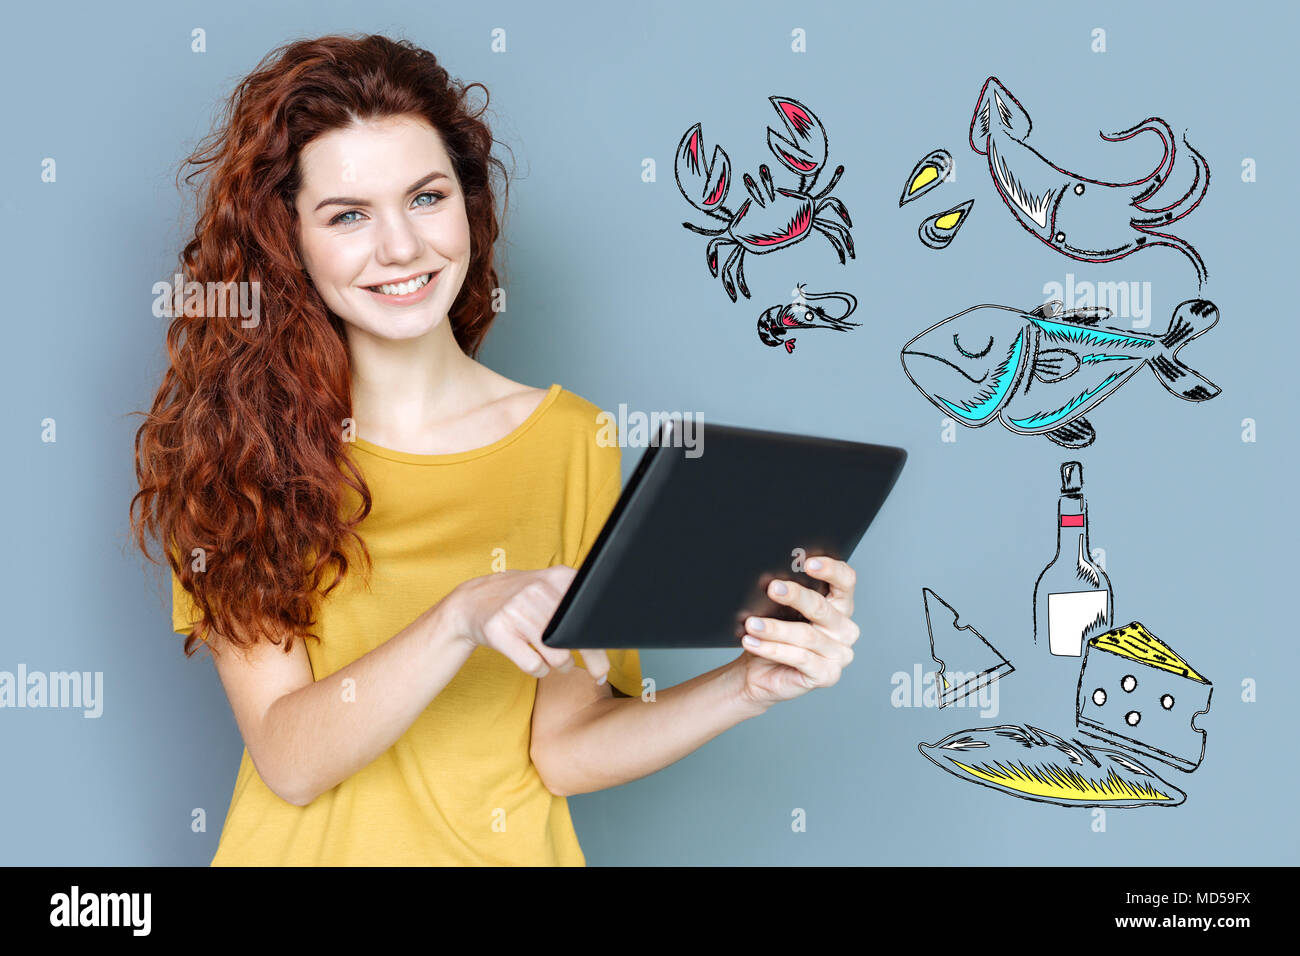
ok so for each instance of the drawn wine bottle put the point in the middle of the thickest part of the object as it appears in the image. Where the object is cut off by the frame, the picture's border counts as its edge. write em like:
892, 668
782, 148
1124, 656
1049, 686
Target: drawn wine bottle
1072, 598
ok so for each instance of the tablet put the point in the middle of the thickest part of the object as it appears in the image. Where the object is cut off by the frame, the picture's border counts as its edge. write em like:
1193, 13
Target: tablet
704, 525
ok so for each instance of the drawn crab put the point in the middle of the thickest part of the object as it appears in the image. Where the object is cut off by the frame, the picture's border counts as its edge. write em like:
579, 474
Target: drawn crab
784, 216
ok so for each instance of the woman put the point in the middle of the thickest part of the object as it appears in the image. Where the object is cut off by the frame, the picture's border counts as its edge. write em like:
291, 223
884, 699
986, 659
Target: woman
425, 723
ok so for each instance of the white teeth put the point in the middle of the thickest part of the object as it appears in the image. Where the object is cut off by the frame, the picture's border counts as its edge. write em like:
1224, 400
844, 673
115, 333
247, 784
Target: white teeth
403, 288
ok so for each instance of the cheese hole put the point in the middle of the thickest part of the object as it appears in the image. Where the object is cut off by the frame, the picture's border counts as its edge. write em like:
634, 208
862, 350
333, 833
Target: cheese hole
1167, 702
1132, 718
1099, 697
1129, 683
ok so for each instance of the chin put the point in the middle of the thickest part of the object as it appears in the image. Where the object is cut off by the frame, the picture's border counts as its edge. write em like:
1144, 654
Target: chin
400, 329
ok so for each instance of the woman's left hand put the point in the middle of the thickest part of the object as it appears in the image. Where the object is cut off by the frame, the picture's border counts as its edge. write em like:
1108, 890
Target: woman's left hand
794, 657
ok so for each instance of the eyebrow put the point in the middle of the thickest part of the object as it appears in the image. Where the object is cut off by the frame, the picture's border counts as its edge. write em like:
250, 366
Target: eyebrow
351, 201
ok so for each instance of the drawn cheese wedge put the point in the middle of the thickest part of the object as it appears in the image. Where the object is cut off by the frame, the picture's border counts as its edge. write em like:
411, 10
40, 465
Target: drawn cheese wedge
967, 661
1135, 691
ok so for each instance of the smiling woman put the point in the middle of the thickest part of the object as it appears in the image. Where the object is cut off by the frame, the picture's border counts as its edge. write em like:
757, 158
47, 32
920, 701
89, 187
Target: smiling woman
388, 717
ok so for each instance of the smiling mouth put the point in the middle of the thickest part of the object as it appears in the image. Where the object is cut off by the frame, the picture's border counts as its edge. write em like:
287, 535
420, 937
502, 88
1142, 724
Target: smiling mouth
402, 288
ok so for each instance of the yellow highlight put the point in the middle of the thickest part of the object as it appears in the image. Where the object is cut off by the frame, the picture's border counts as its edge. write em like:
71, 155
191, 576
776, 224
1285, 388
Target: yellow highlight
1137, 643
948, 221
1050, 781
927, 175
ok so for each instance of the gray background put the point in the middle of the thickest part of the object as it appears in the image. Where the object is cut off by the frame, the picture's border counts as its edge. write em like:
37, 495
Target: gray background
611, 297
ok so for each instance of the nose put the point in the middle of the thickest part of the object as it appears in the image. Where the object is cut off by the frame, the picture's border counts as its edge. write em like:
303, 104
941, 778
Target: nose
398, 241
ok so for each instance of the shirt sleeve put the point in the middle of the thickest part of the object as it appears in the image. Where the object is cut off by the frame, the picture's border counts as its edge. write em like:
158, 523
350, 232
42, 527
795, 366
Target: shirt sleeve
625, 664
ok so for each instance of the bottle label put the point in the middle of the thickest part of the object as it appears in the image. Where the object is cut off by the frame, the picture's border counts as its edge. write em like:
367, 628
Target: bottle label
1074, 617
1071, 521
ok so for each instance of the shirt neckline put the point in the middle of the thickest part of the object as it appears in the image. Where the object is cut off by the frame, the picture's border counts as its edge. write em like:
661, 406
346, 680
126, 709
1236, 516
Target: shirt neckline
411, 458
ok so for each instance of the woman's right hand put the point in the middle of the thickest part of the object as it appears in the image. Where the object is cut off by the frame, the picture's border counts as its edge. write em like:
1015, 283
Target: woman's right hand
509, 610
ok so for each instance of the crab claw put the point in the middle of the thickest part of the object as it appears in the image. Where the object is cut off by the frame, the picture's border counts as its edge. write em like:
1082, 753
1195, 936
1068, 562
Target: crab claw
806, 153
704, 184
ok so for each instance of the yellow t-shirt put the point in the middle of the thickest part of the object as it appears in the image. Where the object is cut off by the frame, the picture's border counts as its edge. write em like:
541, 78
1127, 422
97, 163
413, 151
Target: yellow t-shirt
458, 787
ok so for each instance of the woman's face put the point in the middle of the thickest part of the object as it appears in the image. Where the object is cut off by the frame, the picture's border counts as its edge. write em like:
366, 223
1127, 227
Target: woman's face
379, 205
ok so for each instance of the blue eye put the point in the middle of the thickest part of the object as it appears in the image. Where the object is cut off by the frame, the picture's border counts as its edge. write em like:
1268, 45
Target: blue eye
339, 220
973, 355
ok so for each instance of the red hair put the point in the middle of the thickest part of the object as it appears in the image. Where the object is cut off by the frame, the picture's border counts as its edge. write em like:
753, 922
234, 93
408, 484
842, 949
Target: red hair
242, 454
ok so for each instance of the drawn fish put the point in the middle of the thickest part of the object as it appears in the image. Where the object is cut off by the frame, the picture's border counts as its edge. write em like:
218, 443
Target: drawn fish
1039, 372
1087, 219
1032, 764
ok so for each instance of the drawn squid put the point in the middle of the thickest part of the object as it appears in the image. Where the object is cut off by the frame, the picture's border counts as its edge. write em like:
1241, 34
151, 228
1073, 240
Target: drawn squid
1063, 209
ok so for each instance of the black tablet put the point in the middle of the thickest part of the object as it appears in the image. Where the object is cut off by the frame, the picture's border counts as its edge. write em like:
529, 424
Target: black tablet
703, 526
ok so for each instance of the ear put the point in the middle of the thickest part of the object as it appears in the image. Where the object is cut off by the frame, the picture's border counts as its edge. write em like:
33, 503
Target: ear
997, 110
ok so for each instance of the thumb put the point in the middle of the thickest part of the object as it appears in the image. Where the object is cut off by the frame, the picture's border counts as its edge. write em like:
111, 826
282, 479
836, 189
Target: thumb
562, 574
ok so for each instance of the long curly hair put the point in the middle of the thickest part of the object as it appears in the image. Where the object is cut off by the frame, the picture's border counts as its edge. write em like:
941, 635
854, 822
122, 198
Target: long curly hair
241, 460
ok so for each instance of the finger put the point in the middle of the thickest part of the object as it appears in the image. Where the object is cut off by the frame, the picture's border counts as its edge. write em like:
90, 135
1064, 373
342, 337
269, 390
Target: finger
816, 670
813, 605
561, 658
560, 576
525, 657
799, 634
529, 618
841, 577
509, 633
819, 610
598, 665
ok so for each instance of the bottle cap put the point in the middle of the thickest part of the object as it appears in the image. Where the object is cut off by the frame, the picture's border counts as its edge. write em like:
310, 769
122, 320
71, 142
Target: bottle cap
1072, 476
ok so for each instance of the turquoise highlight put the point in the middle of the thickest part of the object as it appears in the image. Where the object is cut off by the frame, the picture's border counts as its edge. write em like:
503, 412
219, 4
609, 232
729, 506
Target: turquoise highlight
1051, 418
1001, 383
1106, 358
1086, 336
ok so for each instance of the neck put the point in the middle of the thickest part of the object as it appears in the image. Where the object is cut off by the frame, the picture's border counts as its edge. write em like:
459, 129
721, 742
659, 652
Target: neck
401, 387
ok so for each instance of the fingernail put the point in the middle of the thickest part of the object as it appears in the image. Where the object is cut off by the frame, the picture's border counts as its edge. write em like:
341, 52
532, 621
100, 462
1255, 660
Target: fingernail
755, 624
750, 641
779, 587
602, 680
814, 565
